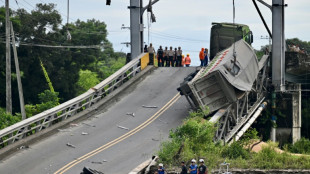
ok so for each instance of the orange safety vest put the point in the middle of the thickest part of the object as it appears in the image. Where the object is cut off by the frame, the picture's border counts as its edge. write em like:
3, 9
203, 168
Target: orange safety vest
202, 54
187, 60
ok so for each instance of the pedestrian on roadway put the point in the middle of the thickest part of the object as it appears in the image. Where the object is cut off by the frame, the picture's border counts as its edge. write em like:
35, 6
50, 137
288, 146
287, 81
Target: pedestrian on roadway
202, 57
151, 52
206, 58
179, 57
170, 55
183, 167
193, 167
166, 58
160, 56
161, 169
187, 61
202, 169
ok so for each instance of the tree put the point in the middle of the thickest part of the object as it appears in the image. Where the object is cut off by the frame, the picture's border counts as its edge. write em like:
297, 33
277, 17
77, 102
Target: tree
87, 80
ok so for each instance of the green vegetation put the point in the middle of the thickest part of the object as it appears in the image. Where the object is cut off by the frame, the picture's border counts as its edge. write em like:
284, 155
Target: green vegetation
194, 139
8, 119
48, 99
69, 71
302, 146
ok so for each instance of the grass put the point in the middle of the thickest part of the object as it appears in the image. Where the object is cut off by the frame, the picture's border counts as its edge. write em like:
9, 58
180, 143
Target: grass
194, 139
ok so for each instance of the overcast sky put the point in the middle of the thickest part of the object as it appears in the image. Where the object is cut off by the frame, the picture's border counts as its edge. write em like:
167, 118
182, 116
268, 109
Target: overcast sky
184, 23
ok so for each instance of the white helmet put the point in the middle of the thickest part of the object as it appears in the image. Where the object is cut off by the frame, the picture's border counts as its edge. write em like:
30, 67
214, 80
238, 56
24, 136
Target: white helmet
161, 165
193, 161
201, 161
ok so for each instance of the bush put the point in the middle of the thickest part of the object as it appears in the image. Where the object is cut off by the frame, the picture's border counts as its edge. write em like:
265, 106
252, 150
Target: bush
302, 146
235, 150
48, 100
8, 119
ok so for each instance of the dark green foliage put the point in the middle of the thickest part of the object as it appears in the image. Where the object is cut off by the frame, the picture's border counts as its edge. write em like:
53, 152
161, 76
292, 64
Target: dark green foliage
48, 99
302, 146
8, 119
305, 113
235, 150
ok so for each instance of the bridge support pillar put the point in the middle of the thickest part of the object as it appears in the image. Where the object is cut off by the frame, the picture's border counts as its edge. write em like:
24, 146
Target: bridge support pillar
278, 45
296, 113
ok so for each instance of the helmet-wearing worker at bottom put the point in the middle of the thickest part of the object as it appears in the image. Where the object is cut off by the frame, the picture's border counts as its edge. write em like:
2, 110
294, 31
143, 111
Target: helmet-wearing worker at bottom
161, 169
193, 167
202, 169
187, 61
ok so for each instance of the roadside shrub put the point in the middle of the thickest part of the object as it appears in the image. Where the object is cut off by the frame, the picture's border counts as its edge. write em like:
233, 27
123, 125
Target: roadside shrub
8, 119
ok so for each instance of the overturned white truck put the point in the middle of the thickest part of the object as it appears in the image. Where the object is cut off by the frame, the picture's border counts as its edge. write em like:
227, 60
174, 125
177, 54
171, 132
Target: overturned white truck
231, 73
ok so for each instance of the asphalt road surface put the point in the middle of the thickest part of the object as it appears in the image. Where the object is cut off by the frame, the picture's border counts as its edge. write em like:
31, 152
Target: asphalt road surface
111, 141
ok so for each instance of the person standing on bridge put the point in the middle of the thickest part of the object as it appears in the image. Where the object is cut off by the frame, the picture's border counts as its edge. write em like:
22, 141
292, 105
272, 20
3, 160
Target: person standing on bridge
160, 56
145, 49
206, 58
151, 52
174, 63
179, 57
166, 58
170, 57
183, 61
187, 61
202, 57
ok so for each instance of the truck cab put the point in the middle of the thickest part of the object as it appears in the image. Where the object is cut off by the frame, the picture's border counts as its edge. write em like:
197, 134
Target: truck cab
223, 35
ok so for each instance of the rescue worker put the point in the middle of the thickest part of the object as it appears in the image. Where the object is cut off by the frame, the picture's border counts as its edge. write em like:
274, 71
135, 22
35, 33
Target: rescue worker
151, 52
206, 61
202, 57
160, 56
145, 49
160, 169
183, 61
179, 57
193, 167
166, 58
174, 62
187, 61
202, 169
183, 167
170, 55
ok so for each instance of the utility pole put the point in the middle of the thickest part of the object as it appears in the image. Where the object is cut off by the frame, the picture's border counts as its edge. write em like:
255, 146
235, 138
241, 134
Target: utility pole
136, 26
19, 82
8, 59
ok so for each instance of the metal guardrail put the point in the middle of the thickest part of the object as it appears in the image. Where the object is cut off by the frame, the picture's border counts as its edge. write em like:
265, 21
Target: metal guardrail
70, 108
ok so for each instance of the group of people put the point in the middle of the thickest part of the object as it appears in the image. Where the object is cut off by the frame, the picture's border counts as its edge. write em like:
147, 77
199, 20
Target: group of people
169, 58
192, 169
295, 48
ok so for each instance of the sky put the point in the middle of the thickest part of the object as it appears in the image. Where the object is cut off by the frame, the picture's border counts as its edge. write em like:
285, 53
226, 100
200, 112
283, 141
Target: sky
184, 23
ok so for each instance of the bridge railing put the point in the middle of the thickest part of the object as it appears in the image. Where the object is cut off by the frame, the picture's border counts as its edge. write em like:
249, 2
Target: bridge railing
72, 107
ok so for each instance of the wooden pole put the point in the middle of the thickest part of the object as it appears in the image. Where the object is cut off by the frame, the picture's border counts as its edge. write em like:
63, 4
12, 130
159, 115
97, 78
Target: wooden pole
8, 60
19, 82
